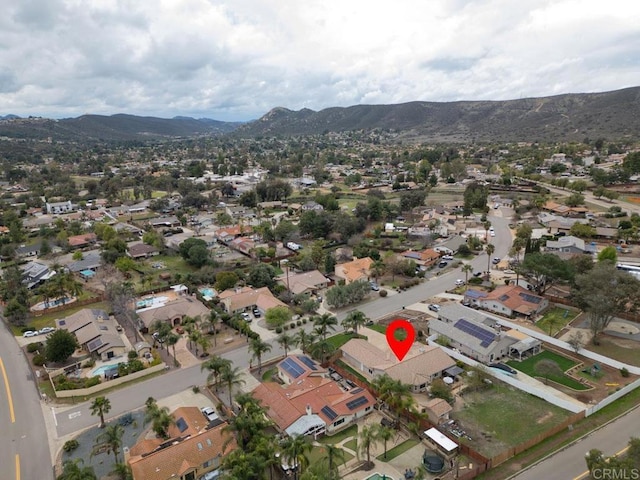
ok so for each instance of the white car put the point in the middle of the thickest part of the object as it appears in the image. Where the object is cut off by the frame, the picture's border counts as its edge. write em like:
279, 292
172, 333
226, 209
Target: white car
30, 333
459, 282
45, 330
434, 307
246, 317
210, 413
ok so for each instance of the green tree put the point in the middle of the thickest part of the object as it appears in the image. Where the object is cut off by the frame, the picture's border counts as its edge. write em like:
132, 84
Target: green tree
294, 451
215, 366
60, 345
277, 316
366, 439
324, 323
258, 348
261, 275
159, 418
608, 254
384, 434
285, 341
467, 268
225, 280
490, 248
73, 470
231, 377
100, 406
354, 320
543, 269
110, 441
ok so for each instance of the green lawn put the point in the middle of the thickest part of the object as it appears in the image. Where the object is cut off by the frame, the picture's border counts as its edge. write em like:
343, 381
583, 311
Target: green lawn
352, 444
47, 320
336, 341
508, 415
352, 431
398, 450
555, 320
399, 334
528, 367
319, 454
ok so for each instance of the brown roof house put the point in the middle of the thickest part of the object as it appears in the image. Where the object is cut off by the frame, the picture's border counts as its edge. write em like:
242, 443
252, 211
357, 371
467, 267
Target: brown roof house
304, 282
95, 331
171, 311
194, 450
373, 357
513, 300
84, 240
357, 269
236, 300
142, 250
426, 257
311, 403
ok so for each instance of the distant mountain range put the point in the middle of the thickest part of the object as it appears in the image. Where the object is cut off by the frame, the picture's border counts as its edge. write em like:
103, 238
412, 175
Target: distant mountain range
614, 116
570, 117
114, 128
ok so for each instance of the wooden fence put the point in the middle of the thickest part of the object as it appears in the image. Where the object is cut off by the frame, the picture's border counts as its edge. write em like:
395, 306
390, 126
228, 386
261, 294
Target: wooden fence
67, 306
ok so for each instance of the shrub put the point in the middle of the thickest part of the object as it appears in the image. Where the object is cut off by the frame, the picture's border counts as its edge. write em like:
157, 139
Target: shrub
304, 321
383, 293
278, 330
38, 360
34, 347
90, 382
475, 281
132, 354
299, 322
624, 372
90, 363
292, 325
70, 445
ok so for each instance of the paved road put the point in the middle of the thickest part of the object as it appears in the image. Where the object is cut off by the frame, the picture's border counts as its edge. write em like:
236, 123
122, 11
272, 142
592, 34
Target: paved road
69, 420
24, 450
570, 463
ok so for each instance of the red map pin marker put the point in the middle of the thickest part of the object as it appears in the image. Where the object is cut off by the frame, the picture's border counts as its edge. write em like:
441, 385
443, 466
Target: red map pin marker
400, 347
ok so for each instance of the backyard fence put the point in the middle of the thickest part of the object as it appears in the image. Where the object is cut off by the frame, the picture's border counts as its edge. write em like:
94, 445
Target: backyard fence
613, 397
66, 306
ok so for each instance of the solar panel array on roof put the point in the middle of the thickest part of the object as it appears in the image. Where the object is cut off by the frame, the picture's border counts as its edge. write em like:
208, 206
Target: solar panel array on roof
504, 298
531, 298
353, 404
308, 362
290, 366
485, 337
93, 345
328, 411
357, 390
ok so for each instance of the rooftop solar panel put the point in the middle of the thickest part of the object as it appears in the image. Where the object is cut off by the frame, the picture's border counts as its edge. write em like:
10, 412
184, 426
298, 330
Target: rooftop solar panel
292, 368
353, 404
93, 345
357, 390
531, 298
486, 337
181, 424
308, 362
328, 411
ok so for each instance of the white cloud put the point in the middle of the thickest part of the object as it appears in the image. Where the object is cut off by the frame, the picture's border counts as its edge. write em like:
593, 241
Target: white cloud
238, 59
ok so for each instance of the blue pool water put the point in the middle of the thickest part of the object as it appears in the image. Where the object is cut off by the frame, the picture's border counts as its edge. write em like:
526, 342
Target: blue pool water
377, 476
207, 292
100, 370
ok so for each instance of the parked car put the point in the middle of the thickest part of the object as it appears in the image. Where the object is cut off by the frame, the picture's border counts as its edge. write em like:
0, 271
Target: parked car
210, 413
257, 313
477, 274
459, 282
496, 260
443, 264
246, 317
45, 330
374, 286
434, 307
447, 257
30, 333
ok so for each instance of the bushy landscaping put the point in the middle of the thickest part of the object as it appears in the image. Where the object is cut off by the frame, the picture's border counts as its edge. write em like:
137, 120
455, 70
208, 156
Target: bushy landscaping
556, 319
528, 366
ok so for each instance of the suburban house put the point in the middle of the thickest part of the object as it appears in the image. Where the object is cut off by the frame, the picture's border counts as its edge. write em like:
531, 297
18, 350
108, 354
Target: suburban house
357, 269
227, 234
425, 258
480, 337
237, 300
95, 331
167, 222
508, 300
56, 208
568, 246
373, 357
304, 282
194, 451
80, 241
311, 206
29, 250
35, 273
452, 244
142, 250
170, 309
311, 403
90, 262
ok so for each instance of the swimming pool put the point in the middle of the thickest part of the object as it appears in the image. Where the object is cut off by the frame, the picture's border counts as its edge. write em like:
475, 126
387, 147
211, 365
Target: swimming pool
151, 302
100, 370
377, 476
207, 293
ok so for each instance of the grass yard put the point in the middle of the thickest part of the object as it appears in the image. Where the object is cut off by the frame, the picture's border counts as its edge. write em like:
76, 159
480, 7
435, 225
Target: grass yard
528, 366
352, 431
47, 320
503, 417
319, 454
336, 341
398, 450
399, 334
352, 444
555, 320
625, 351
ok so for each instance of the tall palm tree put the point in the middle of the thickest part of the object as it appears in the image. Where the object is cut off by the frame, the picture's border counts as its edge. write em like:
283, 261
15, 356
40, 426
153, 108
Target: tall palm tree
204, 342
231, 377
294, 450
215, 366
466, 269
384, 433
325, 322
257, 347
366, 439
490, 248
285, 341
355, 319
378, 268
517, 246
159, 417
123, 471
110, 440
194, 339
171, 340
304, 340
100, 406
333, 455
72, 470
213, 326
487, 226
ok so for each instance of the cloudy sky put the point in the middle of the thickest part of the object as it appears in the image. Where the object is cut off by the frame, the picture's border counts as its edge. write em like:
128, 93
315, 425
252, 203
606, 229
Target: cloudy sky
237, 59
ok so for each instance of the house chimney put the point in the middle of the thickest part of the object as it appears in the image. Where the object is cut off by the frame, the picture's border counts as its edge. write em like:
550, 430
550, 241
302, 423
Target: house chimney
309, 411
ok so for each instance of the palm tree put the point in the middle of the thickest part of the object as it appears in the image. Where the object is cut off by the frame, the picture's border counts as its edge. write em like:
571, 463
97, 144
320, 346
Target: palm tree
123, 471
285, 341
516, 247
333, 454
159, 417
466, 268
204, 342
100, 406
487, 226
194, 339
304, 340
294, 450
215, 366
378, 269
171, 340
110, 440
366, 438
213, 324
231, 377
490, 248
325, 322
71, 470
257, 347
355, 319
384, 433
